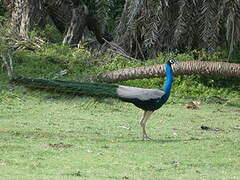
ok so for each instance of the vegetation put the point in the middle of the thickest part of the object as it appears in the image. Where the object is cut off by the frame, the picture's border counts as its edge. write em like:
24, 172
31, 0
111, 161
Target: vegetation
141, 28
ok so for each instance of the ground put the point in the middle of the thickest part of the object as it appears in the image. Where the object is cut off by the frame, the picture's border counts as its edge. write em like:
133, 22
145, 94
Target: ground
46, 136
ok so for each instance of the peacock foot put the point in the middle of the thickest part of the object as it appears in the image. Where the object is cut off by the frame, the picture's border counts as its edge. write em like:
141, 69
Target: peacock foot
146, 137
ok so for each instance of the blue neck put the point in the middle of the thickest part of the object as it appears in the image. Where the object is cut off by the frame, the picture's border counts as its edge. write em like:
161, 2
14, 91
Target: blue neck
169, 78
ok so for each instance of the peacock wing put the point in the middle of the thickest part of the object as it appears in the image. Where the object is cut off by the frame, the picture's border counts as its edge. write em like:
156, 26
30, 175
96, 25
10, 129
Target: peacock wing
142, 94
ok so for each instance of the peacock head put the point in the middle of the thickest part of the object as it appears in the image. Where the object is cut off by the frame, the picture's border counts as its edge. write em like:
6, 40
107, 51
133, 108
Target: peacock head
171, 61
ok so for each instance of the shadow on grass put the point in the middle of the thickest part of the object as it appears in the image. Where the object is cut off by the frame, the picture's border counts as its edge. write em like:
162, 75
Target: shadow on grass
236, 105
162, 141
35, 134
103, 139
99, 138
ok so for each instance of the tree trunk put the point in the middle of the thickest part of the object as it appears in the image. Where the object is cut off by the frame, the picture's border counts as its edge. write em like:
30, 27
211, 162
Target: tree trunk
76, 27
67, 15
25, 14
182, 68
60, 13
80, 20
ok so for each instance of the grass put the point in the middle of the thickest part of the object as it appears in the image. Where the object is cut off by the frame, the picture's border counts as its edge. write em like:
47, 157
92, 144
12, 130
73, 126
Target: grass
47, 136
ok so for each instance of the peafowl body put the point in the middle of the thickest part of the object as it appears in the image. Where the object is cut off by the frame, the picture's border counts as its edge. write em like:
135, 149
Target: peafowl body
148, 100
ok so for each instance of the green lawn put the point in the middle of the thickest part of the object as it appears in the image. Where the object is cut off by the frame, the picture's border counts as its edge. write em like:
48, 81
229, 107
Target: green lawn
80, 138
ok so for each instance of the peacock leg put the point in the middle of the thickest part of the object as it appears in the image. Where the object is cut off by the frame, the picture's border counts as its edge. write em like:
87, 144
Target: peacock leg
143, 121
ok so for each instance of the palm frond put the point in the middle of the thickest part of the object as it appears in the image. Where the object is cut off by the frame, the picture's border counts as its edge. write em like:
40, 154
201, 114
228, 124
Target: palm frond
103, 9
210, 22
150, 31
182, 24
233, 25
148, 27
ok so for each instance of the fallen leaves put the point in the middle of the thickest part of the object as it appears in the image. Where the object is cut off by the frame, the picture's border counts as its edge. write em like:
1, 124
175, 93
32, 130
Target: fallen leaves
61, 144
3, 164
210, 129
193, 105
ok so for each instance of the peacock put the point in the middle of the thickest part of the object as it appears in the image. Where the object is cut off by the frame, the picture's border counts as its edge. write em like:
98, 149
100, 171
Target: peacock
148, 100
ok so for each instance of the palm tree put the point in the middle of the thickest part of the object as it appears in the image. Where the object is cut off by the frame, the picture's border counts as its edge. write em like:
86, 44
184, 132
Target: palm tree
145, 27
148, 27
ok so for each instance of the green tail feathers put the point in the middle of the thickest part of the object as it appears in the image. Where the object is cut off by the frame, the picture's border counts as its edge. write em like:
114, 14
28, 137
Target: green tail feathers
89, 89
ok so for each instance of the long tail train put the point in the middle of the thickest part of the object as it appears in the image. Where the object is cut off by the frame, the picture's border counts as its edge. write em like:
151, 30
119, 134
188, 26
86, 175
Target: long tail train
73, 87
